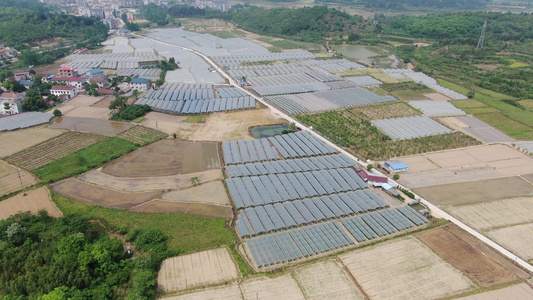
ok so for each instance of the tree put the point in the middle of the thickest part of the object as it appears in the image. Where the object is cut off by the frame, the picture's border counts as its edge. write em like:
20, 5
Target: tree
135, 94
396, 176
369, 167
57, 113
195, 180
15, 232
292, 127
119, 103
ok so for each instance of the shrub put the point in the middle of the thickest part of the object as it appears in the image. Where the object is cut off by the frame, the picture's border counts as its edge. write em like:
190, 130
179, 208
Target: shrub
369, 167
132, 112
57, 113
396, 176
150, 238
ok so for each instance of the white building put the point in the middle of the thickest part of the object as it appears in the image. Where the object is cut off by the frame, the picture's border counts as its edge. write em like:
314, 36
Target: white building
11, 103
67, 91
140, 84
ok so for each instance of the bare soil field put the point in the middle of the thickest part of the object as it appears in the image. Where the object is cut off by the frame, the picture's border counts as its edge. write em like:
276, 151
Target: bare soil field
24, 138
480, 263
212, 192
33, 201
517, 291
326, 280
518, 239
104, 127
10, 180
196, 270
232, 126
126, 184
476, 191
436, 96
142, 135
495, 214
171, 124
225, 292
168, 157
95, 195
50, 150
404, 269
472, 163
83, 101
85, 112
528, 177
187, 208
282, 287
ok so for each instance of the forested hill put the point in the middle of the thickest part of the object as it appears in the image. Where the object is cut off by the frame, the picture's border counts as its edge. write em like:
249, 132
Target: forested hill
462, 28
413, 5
27, 21
305, 24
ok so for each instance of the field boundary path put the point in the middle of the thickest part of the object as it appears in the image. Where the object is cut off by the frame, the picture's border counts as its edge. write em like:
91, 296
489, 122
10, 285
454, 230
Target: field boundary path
441, 213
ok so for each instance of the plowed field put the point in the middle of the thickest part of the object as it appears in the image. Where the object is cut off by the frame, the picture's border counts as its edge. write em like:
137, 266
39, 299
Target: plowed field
199, 209
24, 138
477, 261
33, 201
10, 180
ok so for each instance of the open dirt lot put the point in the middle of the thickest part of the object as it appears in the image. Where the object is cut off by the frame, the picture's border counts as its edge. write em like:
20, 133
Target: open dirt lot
210, 192
494, 214
282, 287
476, 191
34, 201
173, 182
24, 138
46, 152
105, 127
96, 195
168, 157
225, 292
518, 291
326, 280
528, 177
518, 239
233, 126
199, 209
104, 102
10, 181
472, 163
404, 269
85, 112
477, 261
171, 124
197, 269
83, 101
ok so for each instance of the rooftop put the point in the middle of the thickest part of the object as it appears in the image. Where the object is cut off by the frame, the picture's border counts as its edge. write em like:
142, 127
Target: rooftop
140, 80
62, 88
66, 68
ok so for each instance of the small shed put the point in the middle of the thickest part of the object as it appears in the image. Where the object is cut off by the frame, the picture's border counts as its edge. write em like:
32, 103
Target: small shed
396, 166
390, 190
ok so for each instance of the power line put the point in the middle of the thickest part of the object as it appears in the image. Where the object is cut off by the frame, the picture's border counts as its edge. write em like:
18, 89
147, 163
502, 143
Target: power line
481, 41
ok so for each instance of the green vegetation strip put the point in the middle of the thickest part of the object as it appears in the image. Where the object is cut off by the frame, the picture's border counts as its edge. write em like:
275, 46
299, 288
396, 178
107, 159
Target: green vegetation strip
187, 233
85, 159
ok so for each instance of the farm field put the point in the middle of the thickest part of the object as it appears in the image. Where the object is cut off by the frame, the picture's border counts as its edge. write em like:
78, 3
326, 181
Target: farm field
104, 127
25, 138
480, 263
33, 201
518, 239
282, 287
101, 196
374, 73
169, 157
10, 181
212, 192
385, 111
404, 269
473, 163
475, 191
187, 208
233, 126
493, 214
517, 291
142, 135
50, 150
225, 292
354, 132
326, 280
139, 184
99, 113
170, 124
197, 269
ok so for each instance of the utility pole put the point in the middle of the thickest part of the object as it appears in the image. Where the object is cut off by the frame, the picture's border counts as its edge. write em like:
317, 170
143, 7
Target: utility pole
482, 37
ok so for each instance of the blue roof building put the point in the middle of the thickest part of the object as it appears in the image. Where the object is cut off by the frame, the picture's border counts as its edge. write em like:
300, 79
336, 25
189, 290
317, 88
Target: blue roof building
140, 80
396, 166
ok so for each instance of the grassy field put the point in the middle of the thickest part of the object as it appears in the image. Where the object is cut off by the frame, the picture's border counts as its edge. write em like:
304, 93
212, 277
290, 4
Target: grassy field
352, 130
195, 119
505, 113
85, 159
187, 233
283, 44
142, 135
374, 73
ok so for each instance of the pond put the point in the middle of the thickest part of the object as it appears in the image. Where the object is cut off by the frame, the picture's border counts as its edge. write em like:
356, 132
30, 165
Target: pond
369, 56
267, 131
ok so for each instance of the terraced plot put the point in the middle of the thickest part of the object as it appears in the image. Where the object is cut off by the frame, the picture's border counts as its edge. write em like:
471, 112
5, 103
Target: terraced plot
33, 201
404, 269
25, 138
142, 135
11, 182
37, 156
104, 127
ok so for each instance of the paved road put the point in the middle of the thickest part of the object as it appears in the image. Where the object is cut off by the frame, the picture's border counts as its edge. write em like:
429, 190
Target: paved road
437, 211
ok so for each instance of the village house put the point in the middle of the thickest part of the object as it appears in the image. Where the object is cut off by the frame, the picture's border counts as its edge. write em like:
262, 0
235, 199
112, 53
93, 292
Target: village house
101, 82
11, 103
95, 73
67, 72
63, 91
140, 84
